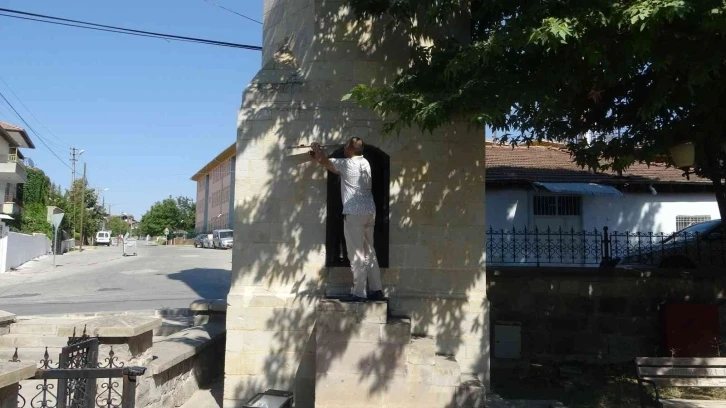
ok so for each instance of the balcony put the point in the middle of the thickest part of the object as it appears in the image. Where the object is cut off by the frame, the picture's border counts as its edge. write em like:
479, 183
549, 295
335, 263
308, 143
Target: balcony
12, 170
10, 207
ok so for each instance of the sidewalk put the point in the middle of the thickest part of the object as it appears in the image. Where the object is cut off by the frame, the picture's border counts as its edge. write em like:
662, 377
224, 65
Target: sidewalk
78, 259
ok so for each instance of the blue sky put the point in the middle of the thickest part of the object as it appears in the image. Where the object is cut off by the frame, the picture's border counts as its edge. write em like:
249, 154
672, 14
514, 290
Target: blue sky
148, 112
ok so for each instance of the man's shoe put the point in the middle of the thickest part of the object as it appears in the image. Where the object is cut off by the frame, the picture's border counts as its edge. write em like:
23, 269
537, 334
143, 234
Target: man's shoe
376, 296
352, 299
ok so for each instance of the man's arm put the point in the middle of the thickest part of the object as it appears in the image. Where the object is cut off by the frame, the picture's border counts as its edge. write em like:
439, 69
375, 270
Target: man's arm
320, 156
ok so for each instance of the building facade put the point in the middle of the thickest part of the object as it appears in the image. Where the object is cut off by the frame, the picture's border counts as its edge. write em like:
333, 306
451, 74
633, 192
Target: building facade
12, 168
655, 198
215, 195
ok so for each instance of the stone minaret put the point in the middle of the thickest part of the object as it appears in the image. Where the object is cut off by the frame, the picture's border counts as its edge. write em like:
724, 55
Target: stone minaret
278, 330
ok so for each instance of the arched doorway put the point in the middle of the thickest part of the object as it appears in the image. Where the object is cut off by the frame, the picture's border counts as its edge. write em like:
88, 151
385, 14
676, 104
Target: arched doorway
335, 249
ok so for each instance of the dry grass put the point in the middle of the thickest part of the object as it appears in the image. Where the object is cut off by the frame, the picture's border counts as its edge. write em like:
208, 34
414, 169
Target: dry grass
586, 387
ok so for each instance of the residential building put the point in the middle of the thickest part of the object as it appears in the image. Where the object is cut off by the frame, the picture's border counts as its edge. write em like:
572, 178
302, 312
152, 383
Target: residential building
12, 170
215, 192
541, 187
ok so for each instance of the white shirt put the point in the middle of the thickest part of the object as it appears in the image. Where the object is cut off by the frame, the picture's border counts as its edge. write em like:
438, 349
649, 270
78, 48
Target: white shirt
355, 185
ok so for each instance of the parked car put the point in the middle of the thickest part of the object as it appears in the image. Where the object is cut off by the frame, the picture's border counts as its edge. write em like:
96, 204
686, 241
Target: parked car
702, 244
222, 238
199, 240
103, 238
207, 241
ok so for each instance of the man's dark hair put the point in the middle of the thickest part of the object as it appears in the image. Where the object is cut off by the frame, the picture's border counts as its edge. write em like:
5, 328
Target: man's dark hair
357, 145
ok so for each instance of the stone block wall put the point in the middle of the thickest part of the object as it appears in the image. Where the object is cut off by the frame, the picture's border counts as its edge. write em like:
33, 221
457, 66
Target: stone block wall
590, 315
172, 387
315, 52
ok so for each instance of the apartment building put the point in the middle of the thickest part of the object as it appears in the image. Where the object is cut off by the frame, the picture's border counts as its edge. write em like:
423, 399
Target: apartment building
215, 192
12, 170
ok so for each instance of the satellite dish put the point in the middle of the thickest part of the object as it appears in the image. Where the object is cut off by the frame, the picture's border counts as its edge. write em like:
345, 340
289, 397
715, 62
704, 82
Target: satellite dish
31, 163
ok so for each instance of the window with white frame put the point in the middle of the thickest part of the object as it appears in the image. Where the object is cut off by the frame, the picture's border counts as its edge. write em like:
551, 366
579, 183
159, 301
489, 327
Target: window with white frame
685, 221
557, 205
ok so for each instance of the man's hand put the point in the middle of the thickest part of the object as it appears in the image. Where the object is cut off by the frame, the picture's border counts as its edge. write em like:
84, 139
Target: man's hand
319, 155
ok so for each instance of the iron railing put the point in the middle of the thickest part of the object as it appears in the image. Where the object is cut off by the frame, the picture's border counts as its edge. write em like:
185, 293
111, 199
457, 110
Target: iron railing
604, 248
79, 381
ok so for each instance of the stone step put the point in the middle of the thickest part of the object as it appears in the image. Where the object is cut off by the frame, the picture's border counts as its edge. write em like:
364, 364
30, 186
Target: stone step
45, 326
369, 312
31, 341
421, 351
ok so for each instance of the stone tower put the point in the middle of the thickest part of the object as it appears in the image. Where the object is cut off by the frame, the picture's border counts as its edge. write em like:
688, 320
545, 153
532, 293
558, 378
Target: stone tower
280, 333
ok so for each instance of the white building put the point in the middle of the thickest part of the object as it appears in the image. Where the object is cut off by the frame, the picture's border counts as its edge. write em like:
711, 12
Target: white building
541, 187
12, 169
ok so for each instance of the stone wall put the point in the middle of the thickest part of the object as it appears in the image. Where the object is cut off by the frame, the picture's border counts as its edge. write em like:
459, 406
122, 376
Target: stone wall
315, 52
593, 315
172, 386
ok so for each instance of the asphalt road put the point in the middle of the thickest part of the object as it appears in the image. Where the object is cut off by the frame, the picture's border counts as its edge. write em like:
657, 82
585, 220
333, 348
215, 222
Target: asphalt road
102, 280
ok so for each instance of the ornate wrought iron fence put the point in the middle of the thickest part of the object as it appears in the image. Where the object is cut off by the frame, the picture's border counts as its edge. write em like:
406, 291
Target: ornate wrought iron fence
74, 381
605, 248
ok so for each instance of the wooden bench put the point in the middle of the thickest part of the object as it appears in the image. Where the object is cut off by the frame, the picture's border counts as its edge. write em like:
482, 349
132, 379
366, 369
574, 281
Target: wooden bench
680, 372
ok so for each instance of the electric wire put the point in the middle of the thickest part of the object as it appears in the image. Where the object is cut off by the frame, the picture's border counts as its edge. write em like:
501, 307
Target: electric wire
32, 130
232, 11
64, 143
118, 30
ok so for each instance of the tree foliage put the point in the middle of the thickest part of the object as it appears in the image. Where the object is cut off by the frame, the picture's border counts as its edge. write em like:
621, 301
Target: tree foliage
117, 226
34, 220
38, 187
174, 214
642, 75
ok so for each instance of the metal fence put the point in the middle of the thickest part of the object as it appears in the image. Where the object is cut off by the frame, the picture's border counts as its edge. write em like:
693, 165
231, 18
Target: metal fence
604, 248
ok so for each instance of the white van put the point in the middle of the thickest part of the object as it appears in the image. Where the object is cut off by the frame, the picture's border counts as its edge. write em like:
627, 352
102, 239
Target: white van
222, 238
103, 238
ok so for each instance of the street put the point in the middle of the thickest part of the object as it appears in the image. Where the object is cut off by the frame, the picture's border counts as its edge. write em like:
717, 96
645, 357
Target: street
100, 279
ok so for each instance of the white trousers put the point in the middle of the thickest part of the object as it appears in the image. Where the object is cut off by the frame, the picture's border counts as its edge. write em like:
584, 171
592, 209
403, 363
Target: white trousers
363, 262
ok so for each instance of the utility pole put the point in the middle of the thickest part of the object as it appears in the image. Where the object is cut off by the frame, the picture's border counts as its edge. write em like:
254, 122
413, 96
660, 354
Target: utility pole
74, 159
75, 154
83, 203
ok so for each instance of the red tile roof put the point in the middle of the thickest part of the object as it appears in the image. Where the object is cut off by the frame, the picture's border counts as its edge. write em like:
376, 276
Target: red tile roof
9, 126
554, 164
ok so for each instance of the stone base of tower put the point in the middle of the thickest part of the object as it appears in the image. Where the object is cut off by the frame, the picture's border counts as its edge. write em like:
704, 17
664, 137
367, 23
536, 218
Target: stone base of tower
433, 333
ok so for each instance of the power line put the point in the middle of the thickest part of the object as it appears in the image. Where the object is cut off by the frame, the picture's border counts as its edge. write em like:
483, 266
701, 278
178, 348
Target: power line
119, 30
31, 129
233, 12
31, 114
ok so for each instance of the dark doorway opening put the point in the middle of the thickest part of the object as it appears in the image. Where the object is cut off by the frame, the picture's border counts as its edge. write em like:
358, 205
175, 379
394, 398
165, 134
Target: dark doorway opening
335, 248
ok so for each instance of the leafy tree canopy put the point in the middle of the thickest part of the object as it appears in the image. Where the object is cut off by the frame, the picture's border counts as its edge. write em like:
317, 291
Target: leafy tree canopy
642, 75
117, 226
175, 214
38, 187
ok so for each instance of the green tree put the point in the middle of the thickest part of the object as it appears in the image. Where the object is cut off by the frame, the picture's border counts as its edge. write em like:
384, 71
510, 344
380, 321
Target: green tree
187, 213
642, 75
81, 199
163, 214
34, 220
38, 187
117, 226
175, 214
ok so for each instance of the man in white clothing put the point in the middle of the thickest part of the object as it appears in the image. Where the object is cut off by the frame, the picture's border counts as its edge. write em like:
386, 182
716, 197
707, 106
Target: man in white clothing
359, 213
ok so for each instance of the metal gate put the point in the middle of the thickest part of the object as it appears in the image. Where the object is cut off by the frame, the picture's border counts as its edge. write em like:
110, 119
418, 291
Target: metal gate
76, 379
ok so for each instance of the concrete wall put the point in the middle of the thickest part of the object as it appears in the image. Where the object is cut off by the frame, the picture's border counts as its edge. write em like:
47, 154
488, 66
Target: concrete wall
507, 208
22, 248
595, 316
315, 52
